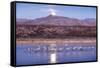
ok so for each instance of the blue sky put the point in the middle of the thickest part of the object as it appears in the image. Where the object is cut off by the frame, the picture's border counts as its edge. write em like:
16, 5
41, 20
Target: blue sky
32, 11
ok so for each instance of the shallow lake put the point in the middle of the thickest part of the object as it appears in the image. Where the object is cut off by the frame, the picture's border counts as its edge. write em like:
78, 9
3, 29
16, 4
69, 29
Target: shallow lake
27, 54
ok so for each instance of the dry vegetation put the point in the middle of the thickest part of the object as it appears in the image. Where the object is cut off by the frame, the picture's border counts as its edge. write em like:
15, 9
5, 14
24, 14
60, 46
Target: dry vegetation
55, 34
47, 31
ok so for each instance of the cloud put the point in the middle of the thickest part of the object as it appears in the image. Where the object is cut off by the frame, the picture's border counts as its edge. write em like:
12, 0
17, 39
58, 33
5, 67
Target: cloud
49, 9
52, 11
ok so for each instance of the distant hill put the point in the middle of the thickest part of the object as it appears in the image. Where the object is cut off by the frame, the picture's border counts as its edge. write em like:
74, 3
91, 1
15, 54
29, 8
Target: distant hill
55, 27
58, 21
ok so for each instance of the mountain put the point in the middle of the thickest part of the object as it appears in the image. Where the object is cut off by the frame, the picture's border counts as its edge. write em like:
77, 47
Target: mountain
58, 21
61, 27
90, 21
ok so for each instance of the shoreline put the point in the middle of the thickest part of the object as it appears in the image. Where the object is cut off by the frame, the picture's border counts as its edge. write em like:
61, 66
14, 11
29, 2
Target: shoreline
56, 41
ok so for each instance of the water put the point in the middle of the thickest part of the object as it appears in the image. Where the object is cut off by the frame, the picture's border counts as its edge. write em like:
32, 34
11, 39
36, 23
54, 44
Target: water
27, 54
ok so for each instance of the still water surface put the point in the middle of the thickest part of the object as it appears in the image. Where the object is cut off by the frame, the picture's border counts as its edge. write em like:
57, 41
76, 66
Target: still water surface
27, 54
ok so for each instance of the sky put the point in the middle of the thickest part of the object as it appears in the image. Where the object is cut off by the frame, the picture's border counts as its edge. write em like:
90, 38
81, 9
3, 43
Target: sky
32, 11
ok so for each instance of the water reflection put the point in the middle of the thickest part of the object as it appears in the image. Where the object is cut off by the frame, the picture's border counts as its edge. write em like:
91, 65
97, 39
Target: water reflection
54, 53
